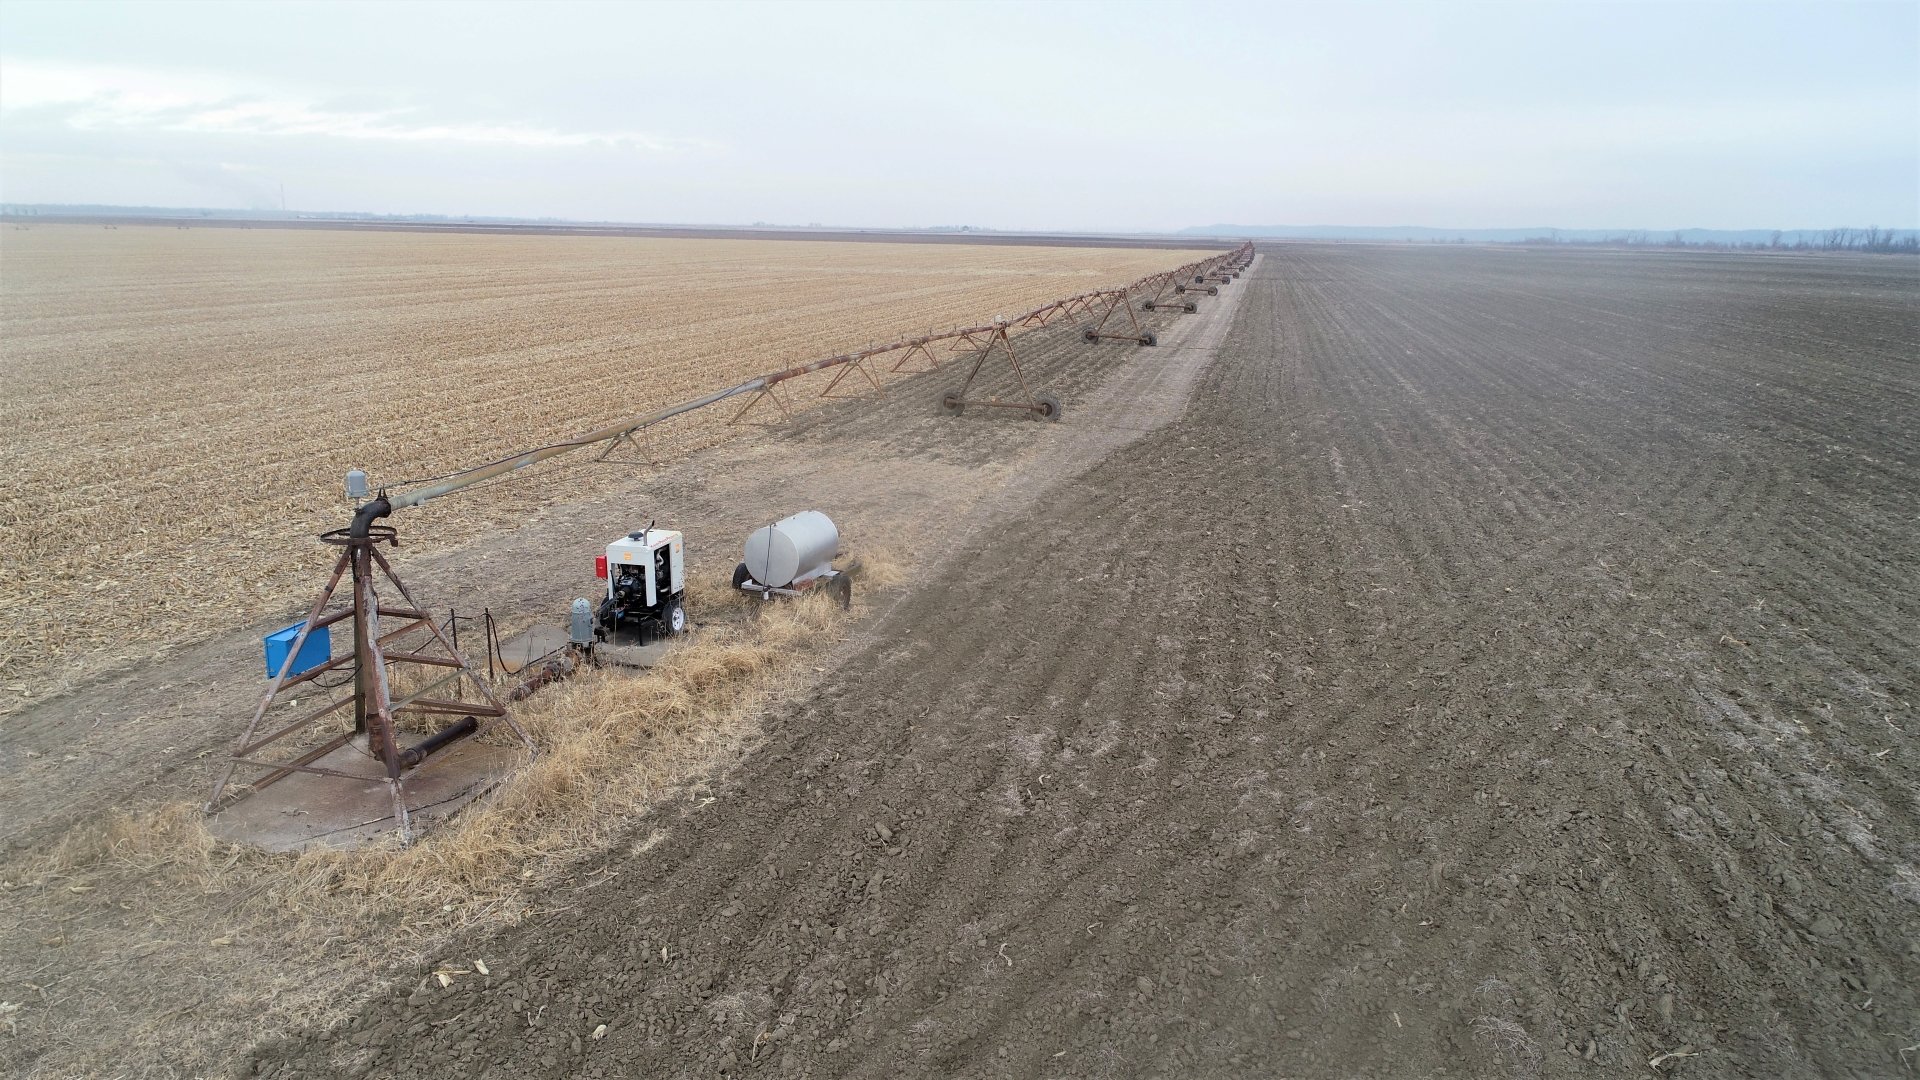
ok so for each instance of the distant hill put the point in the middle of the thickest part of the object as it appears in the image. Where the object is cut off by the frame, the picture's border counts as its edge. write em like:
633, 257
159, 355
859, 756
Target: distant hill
1817, 238
1870, 239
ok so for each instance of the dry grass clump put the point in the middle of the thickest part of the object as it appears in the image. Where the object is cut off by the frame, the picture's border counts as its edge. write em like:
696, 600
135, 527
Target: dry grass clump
611, 744
879, 569
172, 840
1511, 1043
290, 930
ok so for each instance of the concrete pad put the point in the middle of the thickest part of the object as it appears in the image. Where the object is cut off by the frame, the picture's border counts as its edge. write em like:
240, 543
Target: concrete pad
621, 650
639, 656
531, 645
304, 811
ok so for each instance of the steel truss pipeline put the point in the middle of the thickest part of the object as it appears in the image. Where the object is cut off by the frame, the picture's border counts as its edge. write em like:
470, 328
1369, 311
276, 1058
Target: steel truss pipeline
918, 347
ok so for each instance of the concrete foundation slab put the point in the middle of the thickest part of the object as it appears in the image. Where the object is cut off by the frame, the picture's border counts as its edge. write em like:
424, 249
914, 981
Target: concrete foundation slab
304, 811
530, 646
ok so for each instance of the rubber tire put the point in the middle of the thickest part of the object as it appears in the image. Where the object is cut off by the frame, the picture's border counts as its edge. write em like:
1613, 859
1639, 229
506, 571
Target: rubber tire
1090, 335
1049, 407
843, 592
673, 620
1213, 290
740, 575
1191, 307
951, 403
1148, 306
1179, 289
1148, 340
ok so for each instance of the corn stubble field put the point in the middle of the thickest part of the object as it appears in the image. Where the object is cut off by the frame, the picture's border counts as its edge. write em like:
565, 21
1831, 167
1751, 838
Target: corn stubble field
182, 403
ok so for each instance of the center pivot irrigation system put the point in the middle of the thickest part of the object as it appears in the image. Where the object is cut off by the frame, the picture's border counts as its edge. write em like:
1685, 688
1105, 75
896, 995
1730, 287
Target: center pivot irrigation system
405, 666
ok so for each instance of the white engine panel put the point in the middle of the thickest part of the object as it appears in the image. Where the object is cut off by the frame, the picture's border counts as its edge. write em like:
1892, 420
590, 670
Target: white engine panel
627, 551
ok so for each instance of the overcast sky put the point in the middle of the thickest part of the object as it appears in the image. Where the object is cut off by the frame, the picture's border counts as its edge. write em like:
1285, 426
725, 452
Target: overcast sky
1051, 116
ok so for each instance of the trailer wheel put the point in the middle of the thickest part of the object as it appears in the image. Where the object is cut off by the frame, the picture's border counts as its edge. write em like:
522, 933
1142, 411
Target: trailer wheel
1049, 407
673, 619
1148, 339
741, 576
843, 591
952, 404
1089, 334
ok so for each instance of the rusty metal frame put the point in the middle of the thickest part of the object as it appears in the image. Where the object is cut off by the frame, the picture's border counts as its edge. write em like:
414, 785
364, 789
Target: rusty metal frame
864, 365
1040, 406
1158, 301
917, 347
374, 706
767, 392
1098, 332
964, 341
647, 454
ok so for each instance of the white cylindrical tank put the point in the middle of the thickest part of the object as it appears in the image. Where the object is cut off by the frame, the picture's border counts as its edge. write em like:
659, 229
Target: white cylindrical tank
792, 549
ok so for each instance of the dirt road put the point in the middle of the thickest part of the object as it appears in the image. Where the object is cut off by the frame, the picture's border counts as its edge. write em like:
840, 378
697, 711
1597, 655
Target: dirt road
1502, 668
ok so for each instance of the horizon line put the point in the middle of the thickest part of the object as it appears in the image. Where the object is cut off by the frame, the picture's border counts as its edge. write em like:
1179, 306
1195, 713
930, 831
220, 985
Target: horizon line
1202, 230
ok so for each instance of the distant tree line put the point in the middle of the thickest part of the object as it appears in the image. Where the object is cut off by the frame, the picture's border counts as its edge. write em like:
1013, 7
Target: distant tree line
1872, 239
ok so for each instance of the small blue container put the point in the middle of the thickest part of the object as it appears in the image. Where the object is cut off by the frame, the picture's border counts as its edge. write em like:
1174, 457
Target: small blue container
316, 650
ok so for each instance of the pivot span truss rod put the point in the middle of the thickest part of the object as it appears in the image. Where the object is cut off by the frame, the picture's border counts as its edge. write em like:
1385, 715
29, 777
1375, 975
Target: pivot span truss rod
983, 338
1038, 406
1098, 332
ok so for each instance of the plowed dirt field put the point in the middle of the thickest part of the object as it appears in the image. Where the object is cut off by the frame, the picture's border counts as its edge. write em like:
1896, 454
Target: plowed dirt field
1503, 667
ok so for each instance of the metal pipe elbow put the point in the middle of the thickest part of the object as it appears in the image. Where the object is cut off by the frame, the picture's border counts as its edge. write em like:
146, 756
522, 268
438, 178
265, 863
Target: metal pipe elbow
364, 517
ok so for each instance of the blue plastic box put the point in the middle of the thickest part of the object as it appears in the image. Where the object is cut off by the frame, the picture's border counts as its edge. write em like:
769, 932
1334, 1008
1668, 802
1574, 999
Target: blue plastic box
316, 650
